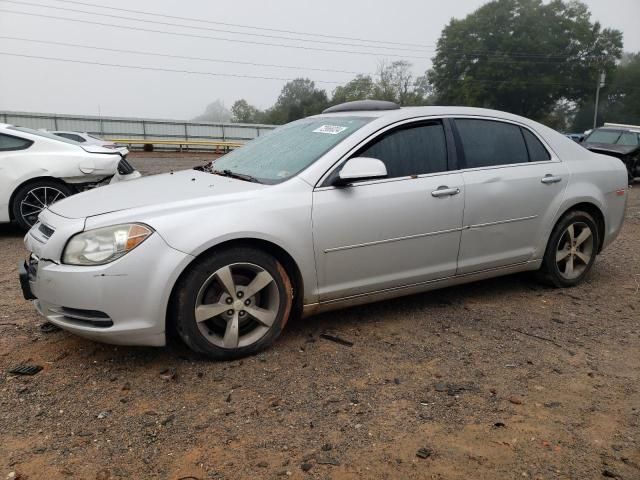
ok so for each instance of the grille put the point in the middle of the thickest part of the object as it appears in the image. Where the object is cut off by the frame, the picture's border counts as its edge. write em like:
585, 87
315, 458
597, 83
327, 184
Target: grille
92, 318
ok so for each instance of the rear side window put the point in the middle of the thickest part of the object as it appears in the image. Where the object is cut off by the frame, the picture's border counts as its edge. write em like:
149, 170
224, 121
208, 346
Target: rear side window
410, 150
487, 143
8, 142
537, 152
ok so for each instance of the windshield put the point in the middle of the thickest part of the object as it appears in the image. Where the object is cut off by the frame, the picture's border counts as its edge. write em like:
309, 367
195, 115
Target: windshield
613, 137
42, 133
289, 149
628, 138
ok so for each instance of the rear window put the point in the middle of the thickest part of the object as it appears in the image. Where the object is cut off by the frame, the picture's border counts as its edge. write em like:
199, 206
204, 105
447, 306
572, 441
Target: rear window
70, 136
487, 143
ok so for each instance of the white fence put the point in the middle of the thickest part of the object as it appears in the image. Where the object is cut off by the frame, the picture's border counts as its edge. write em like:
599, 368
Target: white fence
138, 128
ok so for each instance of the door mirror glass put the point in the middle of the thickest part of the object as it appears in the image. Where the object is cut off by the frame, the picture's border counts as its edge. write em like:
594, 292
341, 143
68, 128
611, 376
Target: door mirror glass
361, 168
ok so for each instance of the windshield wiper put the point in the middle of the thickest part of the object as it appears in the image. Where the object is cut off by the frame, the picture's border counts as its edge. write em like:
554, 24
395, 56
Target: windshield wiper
239, 176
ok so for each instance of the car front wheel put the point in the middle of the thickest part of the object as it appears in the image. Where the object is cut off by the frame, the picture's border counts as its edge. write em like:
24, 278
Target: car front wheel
29, 200
233, 303
571, 250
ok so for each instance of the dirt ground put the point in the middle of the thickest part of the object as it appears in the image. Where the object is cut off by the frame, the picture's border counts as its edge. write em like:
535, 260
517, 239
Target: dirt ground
501, 379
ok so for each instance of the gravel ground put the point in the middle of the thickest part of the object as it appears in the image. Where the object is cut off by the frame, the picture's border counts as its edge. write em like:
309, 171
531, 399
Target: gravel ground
500, 379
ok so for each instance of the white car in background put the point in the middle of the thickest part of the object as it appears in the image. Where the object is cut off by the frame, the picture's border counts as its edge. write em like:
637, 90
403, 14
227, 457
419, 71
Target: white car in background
89, 139
38, 168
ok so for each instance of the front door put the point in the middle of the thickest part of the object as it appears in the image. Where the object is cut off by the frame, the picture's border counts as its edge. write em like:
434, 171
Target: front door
394, 232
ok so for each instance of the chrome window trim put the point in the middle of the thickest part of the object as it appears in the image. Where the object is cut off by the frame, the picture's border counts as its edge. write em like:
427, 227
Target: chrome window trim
320, 187
550, 151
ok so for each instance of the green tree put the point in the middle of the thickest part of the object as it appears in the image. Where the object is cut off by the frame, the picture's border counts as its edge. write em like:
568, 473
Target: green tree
215, 112
359, 88
243, 112
522, 56
619, 99
299, 98
623, 94
394, 82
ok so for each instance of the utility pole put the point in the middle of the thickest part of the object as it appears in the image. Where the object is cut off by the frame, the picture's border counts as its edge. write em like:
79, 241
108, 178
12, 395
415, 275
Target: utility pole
601, 83
100, 121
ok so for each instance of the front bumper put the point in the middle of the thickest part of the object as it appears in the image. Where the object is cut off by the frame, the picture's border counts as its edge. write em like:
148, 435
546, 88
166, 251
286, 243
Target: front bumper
122, 303
23, 272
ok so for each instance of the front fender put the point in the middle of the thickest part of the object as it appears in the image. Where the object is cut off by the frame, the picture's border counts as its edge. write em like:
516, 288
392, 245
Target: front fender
280, 215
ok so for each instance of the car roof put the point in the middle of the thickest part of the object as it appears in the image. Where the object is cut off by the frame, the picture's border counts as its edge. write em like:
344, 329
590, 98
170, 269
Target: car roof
411, 112
426, 110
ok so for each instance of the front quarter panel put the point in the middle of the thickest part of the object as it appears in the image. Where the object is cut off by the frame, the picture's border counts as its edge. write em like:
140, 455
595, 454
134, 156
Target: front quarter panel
280, 214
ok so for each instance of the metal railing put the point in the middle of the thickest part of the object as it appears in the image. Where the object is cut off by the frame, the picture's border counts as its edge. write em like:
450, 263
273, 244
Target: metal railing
141, 130
149, 145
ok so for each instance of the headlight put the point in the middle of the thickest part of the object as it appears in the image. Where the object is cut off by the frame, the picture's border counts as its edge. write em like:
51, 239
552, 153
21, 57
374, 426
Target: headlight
104, 245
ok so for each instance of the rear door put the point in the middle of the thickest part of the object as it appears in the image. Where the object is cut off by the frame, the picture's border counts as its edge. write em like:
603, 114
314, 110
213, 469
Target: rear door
514, 187
392, 232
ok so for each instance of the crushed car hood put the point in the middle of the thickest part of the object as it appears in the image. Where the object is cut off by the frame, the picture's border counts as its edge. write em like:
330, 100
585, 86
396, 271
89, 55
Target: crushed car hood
158, 190
607, 148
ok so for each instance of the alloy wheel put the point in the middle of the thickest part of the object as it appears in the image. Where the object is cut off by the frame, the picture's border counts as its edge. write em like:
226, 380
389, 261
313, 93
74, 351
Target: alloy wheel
237, 305
575, 250
36, 200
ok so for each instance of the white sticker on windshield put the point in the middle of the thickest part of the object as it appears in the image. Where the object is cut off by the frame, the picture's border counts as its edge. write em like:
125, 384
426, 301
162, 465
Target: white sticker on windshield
330, 129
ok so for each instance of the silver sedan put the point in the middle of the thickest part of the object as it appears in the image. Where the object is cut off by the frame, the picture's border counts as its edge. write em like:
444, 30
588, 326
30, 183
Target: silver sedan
365, 202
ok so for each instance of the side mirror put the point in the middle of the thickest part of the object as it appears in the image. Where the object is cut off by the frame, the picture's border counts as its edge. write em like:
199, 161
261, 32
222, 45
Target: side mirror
360, 168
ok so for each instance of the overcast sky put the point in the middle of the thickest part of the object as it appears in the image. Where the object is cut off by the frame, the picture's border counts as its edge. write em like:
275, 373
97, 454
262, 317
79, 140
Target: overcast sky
28, 84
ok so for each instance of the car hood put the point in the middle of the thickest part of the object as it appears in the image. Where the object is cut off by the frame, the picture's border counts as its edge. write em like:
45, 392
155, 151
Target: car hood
607, 148
188, 186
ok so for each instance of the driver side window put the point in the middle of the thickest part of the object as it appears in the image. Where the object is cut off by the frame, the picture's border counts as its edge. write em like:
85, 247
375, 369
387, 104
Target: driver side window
410, 150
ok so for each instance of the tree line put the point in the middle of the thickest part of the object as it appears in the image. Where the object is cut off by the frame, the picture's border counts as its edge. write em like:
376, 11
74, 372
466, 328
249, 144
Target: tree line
542, 61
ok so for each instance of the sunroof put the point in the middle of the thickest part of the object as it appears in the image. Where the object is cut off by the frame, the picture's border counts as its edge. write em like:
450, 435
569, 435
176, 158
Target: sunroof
362, 105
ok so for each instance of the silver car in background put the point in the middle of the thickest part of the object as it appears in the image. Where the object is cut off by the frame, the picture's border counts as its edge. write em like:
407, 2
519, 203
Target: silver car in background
365, 202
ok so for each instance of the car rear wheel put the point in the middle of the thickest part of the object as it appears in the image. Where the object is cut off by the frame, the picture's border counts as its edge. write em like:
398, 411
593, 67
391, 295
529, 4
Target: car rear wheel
233, 303
571, 250
34, 197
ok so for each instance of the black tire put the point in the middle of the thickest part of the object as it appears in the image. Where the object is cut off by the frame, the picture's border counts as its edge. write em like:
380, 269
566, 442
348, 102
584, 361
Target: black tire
24, 215
550, 271
193, 287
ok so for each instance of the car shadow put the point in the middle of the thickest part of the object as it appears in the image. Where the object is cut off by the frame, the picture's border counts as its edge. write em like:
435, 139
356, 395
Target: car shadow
488, 290
176, 353
10, 230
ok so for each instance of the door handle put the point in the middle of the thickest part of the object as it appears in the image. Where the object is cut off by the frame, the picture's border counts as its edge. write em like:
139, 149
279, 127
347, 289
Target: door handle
444, 191
548, 179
